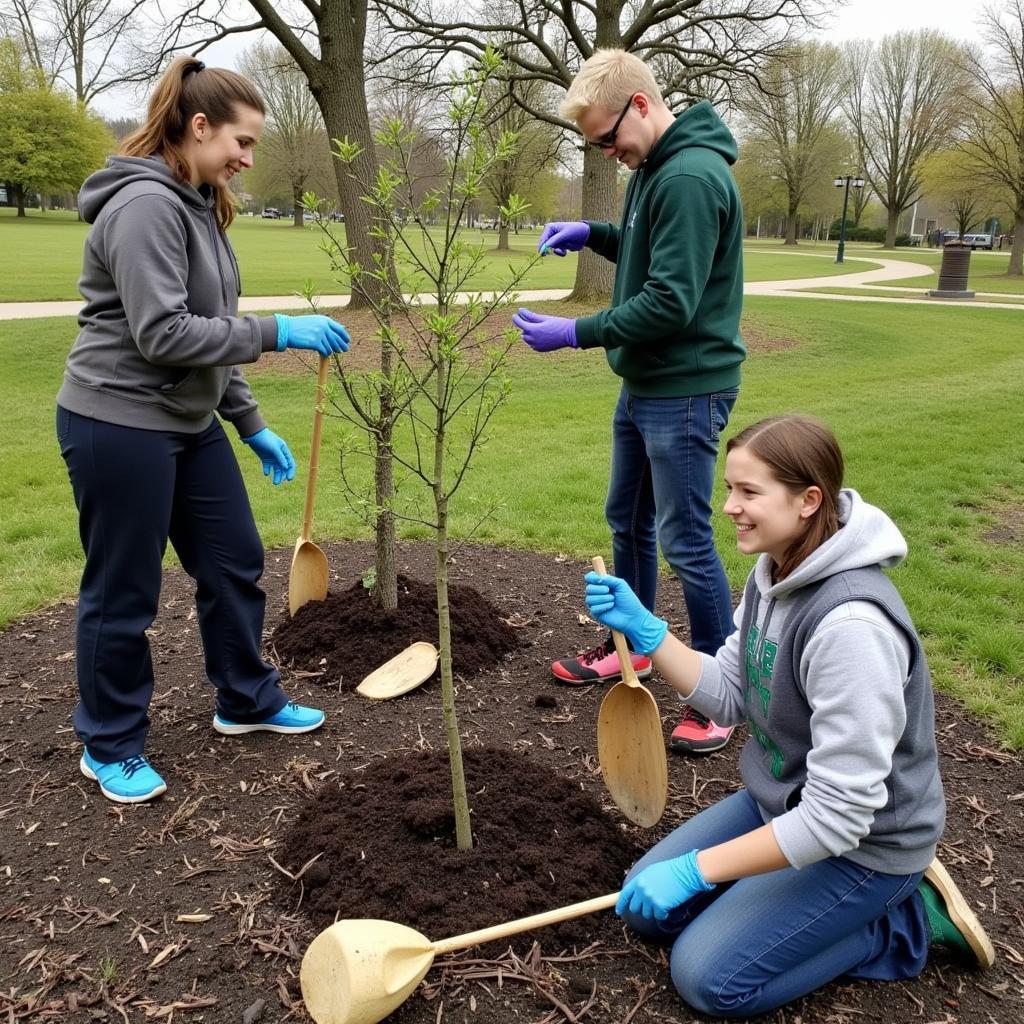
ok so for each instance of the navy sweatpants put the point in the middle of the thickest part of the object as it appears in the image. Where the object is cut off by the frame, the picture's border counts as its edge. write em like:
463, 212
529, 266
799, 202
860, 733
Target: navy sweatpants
135, 489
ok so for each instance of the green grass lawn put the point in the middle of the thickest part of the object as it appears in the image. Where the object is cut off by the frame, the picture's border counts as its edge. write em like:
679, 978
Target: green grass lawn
940, 453
41, 259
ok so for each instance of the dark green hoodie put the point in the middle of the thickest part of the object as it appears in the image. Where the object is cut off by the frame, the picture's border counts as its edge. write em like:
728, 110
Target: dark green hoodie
673, 327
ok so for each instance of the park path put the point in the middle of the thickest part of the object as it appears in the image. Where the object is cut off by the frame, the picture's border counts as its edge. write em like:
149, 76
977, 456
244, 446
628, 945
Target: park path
883, 270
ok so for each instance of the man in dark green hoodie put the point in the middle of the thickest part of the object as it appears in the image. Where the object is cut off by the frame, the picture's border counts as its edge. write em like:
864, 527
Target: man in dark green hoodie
672, 335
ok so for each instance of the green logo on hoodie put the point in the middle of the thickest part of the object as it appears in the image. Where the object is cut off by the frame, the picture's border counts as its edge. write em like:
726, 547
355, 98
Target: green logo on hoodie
760, 664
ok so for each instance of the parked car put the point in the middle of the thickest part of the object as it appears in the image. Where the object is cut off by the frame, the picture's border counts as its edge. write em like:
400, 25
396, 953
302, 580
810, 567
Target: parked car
950, 236
978, 241
271, 213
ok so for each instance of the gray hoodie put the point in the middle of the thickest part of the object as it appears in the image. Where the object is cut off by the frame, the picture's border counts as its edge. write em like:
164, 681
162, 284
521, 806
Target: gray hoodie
159, 335
842, 756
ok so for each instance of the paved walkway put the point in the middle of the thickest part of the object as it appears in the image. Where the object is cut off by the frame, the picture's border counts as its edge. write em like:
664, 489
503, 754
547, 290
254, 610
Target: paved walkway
252, 303
886, 270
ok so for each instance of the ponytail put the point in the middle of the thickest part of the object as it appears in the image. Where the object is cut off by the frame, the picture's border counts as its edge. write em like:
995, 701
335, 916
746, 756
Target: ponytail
188, 87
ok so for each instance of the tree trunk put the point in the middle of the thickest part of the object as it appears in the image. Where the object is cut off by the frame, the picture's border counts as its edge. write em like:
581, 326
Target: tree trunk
19, 199
1016, 267
385, 586
339, 88
503, 237
891, 225
791, 225
595, 274
460, 802
297, 206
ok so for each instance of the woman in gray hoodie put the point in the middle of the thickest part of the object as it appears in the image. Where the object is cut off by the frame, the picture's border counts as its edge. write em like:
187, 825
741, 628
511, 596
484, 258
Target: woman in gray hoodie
823, 865
155, 359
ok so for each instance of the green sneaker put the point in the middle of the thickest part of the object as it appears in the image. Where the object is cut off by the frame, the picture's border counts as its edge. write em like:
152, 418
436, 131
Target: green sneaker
951, 921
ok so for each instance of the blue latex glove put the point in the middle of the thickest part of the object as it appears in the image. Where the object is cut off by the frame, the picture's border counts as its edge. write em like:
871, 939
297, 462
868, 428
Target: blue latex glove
273, 453
657, 890
545, 333
314, 333
611, 602
562, 236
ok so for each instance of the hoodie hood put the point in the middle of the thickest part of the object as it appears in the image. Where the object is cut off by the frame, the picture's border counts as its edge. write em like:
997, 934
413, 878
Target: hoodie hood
700, 127
120, 171
866, 537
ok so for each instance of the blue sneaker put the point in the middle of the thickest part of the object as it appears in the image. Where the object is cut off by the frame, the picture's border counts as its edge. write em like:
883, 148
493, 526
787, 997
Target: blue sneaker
291, 718
131, 781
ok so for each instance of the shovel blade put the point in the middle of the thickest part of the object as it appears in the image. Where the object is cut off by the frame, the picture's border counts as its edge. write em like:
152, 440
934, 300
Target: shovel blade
358, 971
404, 672
631, 751
307, 580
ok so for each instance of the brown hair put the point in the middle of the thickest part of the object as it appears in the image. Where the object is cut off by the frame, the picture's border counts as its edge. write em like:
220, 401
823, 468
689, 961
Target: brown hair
801, 452
188, 87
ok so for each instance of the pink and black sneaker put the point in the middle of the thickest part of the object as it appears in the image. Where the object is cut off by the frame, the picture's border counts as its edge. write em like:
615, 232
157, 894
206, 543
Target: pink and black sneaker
696, 734
598, 665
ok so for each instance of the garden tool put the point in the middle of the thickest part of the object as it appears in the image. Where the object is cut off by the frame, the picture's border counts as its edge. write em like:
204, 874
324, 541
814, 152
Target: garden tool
630, 744
404, 672
358, 971
307, 580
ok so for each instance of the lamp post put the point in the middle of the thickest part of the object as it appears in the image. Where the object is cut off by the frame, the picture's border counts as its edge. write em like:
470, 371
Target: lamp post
845, 182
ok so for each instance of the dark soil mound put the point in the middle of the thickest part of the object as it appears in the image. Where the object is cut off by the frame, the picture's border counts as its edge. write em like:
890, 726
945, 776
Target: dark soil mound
387, 836
344, 637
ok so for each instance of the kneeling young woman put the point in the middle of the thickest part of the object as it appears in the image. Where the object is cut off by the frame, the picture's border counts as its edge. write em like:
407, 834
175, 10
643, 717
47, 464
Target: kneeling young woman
823, 865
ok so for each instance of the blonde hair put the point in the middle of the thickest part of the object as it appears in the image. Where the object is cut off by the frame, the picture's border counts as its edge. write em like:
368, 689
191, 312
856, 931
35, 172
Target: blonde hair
607, 79
188, 87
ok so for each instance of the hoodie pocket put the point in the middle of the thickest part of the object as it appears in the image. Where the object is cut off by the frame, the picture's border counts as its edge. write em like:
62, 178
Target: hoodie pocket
178, 385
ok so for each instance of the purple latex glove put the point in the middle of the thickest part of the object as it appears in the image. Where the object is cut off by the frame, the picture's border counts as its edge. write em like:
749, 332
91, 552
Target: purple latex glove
545, 333
562, 236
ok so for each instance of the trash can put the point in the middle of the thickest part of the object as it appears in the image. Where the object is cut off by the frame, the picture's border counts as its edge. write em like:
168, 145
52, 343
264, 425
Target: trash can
956, 265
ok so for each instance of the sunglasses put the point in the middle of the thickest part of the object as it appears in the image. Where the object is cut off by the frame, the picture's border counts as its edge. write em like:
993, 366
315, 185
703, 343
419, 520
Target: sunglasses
607, 141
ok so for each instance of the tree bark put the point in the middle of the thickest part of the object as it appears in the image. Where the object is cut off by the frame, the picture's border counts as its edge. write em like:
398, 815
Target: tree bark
297, 206
19, 199
891, 225
503, 237
1016, 267
460, 801
595, 274
791, 224
385, 585
339, 88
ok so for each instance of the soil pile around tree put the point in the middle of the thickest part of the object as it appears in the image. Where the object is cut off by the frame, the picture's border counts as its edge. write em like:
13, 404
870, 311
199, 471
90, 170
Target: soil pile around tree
176, 910
386, 837
344, 637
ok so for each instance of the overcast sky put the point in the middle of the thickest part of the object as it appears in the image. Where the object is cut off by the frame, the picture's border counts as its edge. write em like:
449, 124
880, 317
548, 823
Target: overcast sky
875, 18
859, 19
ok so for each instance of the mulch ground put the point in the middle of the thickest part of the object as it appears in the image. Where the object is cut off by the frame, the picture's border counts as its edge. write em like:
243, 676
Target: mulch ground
200, 905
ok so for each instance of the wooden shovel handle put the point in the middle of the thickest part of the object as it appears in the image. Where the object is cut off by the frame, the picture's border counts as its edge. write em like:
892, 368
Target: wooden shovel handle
629, 676
314, 448
525, 924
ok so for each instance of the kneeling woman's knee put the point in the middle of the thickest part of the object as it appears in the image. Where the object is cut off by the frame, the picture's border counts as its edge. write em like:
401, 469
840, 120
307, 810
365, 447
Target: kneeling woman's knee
700, 975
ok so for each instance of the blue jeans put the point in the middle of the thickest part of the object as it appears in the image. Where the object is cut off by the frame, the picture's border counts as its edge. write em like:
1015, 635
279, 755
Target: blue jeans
748, 947
135, 489
663, 472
